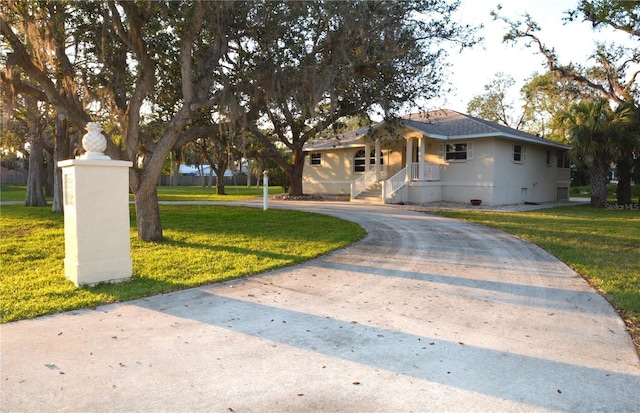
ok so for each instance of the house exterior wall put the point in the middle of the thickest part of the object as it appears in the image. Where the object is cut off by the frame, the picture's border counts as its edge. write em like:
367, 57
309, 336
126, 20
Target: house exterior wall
494, 177
424, 192
472, 178
531, 180
395, 159
332, 176
335, 173
489, 173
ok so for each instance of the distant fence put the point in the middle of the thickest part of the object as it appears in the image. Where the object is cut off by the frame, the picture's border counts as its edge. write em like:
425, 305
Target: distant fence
187, 180
12, 177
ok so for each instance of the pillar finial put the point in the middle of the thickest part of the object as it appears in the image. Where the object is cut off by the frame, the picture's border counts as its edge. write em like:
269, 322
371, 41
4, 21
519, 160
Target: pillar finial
94, 142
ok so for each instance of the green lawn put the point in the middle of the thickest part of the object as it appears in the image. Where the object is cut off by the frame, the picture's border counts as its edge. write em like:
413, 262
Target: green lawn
169, 193
204, 244
13, 193
209, 244
199, 193
603, 245
585, 192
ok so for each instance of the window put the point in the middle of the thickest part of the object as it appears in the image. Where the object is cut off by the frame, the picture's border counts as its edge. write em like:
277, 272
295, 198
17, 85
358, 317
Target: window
457, 151
359, 161
563, 159
548, 158
519, 153
316, 158
372, 159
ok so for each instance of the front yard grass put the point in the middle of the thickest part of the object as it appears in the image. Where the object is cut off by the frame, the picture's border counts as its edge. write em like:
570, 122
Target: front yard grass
200, 193
603, 245
204, 244
169, 193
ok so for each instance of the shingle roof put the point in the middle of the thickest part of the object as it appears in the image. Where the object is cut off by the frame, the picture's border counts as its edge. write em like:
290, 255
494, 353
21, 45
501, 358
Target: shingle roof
444, 124
344, 140
449, 124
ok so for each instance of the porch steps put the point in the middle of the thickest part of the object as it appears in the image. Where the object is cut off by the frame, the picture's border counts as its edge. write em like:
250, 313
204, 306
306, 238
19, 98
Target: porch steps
372, 195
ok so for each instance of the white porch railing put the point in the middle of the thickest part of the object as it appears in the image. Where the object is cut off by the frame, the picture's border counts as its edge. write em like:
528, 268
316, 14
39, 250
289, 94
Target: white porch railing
393, 184
364, 182
431, 172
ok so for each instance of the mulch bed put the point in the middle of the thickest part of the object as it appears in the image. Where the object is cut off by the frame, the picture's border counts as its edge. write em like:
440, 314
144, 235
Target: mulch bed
312, 197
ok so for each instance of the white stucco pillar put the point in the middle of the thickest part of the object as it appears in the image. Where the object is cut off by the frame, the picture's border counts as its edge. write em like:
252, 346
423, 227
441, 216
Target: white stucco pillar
409, 156
421, 165
367, 157
376, 161
96, 215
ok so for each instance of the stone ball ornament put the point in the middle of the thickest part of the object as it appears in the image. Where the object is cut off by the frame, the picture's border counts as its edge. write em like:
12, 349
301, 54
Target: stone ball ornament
94, 142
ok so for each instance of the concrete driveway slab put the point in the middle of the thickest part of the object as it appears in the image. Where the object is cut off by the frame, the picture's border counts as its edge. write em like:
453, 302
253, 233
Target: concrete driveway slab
424, 314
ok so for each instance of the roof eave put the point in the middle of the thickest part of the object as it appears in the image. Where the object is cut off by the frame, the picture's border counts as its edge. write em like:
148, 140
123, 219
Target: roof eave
539, 141
429, 135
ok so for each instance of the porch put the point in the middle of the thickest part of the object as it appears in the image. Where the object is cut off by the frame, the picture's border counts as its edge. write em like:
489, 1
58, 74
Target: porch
417, 173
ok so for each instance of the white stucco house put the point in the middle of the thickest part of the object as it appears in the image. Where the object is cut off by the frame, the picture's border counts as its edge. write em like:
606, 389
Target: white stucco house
440, 155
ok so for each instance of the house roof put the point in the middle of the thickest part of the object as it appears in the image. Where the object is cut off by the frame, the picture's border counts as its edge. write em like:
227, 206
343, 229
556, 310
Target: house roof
447, 124
352, 139
442, 124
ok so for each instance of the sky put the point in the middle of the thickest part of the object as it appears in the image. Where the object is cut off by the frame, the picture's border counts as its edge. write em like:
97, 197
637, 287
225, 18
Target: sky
476, 67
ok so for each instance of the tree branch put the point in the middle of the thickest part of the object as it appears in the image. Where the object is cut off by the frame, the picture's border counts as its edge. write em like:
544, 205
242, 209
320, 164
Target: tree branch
20, 57
560, 72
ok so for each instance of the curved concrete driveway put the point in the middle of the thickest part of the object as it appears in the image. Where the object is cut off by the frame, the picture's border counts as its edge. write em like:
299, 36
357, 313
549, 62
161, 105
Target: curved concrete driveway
425, 314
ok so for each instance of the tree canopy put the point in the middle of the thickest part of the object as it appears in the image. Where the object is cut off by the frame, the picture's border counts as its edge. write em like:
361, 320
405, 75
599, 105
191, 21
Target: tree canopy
494, 105
160, 74
613, 76
597, 133
119, 62
305, 65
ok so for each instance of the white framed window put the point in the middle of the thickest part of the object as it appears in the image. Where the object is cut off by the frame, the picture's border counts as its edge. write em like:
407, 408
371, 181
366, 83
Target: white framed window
316, 158
564, 161
359, 161
549, 158
462, 151
518, 153
372, 158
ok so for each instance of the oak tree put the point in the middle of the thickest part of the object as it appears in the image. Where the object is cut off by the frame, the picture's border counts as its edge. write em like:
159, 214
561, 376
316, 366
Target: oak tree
117, 61
613, 75
305, 65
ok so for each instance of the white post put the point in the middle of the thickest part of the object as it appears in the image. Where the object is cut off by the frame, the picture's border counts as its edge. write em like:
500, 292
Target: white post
367, 157
376, 162
409, 156
421, 173
265, 190
96, 214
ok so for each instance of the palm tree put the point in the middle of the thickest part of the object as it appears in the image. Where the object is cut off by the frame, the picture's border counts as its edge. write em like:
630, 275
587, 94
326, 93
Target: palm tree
597, 134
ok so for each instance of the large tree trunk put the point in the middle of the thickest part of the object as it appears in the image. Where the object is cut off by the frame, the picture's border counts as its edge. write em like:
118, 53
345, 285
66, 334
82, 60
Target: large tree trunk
598, 179
295, 172
48, 172
220, 169
623, 170
175, 160
35, 187
148, 213
61, 151
220, 185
